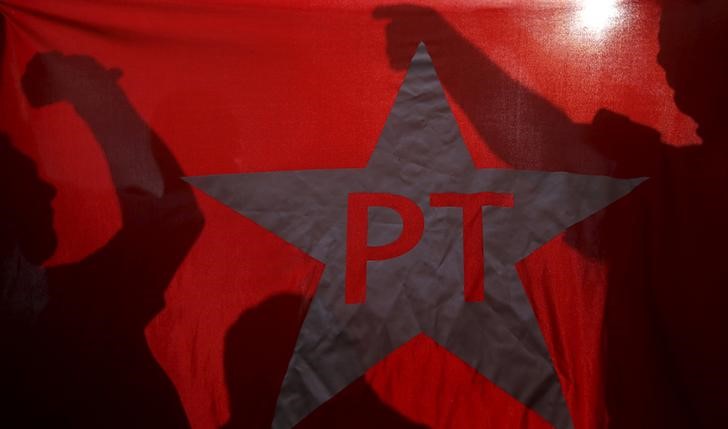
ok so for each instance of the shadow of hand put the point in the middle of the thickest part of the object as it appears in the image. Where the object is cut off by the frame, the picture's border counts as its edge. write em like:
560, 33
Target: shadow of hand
408, 26
52, 77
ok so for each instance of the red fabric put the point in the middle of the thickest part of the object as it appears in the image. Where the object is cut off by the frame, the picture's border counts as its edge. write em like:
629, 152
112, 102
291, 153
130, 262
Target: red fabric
241, 86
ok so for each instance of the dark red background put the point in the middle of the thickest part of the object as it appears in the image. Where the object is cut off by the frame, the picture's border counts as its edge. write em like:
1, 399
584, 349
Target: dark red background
240, 86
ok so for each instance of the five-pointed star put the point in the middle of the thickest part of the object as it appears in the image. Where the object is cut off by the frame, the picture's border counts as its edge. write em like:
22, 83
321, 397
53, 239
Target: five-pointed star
420, 152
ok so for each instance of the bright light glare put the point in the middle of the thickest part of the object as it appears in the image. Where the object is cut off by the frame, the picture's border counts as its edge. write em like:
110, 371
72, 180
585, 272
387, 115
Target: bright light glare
596, 16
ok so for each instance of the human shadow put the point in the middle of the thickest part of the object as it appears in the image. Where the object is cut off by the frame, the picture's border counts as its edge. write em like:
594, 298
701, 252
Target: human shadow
258, 348
663, 245
22, 285
82, 360
18, 305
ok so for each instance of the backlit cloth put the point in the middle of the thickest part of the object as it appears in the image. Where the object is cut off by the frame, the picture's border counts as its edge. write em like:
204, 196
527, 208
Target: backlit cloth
133, 298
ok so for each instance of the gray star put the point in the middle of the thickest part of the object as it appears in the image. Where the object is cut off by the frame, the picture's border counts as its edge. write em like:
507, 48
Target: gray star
420, 152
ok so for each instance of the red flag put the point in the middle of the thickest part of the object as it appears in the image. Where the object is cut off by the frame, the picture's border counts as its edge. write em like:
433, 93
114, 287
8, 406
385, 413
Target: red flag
170, 175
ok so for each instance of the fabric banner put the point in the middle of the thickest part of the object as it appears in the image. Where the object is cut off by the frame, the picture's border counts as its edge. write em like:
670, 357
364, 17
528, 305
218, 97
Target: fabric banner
326, 214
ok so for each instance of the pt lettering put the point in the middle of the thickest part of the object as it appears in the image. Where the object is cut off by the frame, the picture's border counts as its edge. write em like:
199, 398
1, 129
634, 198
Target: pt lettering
358, 251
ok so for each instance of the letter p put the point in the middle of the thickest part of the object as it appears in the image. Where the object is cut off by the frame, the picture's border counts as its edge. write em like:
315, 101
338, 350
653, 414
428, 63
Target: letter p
358, 251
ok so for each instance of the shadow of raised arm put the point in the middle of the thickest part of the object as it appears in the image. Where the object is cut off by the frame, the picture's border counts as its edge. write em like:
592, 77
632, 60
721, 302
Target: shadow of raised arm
91, 345
520, 126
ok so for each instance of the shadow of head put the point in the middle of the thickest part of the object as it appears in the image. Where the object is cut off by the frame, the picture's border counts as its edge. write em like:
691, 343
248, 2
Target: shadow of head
258, 348
693, 41
27, 218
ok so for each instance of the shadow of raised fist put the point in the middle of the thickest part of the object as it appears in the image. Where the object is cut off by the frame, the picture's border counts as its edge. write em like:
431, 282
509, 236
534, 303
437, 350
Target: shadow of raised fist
52, 77
408, 26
